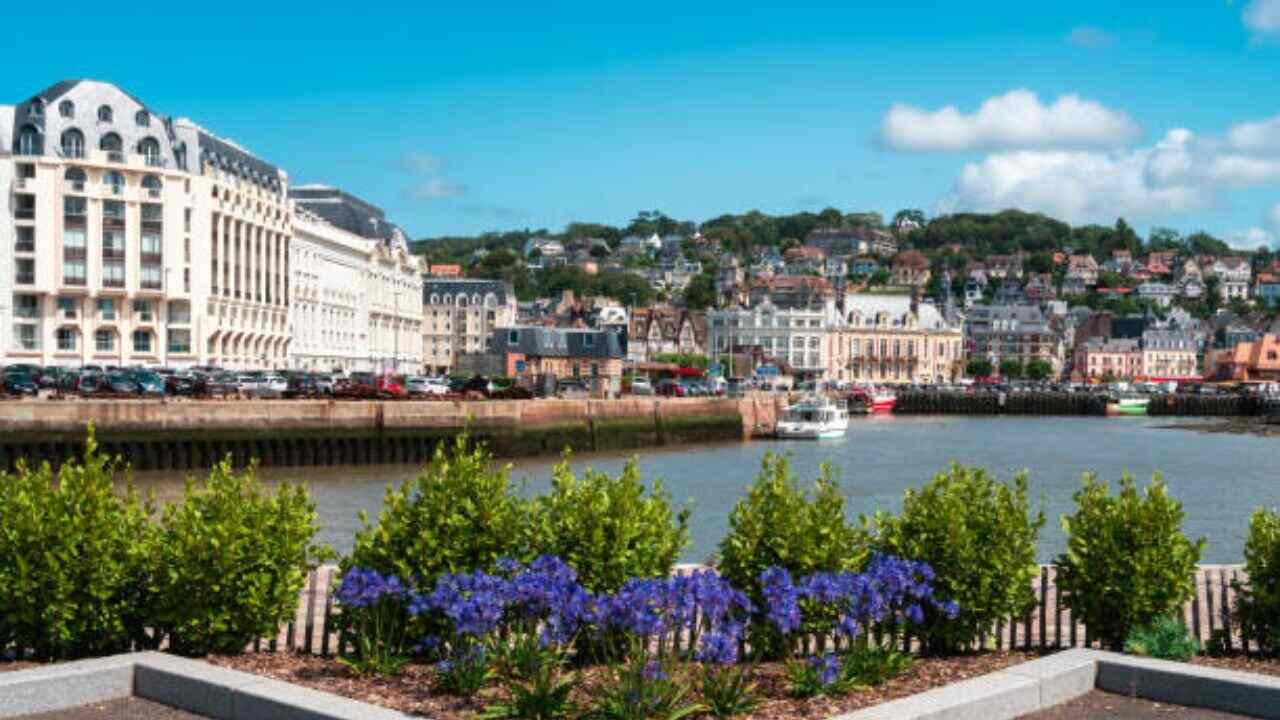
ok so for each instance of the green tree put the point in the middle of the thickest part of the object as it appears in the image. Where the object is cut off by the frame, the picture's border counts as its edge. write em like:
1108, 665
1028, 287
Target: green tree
1011, 368
1041, 262
978, 368
1039, 370
701, 292
879, 278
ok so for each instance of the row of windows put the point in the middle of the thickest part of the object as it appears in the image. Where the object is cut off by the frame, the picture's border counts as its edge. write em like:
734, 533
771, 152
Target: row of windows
67, 109
27, 338
72, 145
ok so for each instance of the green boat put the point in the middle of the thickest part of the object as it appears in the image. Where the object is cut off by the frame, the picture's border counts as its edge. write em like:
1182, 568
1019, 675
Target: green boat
1129, 405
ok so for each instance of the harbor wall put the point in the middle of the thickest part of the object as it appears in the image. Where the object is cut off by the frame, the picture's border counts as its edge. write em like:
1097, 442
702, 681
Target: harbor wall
183, 434
1050, 403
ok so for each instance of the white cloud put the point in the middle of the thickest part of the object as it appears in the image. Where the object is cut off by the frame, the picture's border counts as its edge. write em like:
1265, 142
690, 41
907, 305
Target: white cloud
1015, 120
1262, 136
1274, 217
1262, 16
1251, 239
1091, 38
436, 188
1180, 173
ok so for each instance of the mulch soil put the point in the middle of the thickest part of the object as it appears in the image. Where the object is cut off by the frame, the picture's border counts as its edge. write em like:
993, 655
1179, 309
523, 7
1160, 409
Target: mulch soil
127, 709
411, 690
1099, 705
1243, 663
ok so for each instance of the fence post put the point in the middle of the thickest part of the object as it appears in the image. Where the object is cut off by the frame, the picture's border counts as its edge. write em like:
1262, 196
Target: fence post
1226, 612
1044, 604
311, 610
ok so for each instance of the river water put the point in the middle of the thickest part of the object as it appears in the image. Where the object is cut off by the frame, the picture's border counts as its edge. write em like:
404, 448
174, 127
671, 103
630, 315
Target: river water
1220, 478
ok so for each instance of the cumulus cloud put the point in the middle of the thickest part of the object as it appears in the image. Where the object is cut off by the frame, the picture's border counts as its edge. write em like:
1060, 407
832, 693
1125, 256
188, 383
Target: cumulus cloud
1015, 120
1262, 17
1091, 38
1180, 173
437, 188
1250, 239
1262, 136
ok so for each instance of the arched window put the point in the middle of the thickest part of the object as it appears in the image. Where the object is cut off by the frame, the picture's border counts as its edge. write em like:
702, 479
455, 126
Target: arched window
37, 107
104, 113
67, 109
30, 142
111, 143
142, 118
149, 148
75, 175
153, 185
72, 143
462, 300
113, 180
180, 156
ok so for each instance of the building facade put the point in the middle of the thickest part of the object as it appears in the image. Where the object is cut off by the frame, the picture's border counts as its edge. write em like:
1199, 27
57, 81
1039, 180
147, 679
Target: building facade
460, 316
889, 339
1018, 332
136, 239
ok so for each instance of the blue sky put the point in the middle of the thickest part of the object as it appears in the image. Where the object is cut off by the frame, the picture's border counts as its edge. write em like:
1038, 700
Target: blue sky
462, 119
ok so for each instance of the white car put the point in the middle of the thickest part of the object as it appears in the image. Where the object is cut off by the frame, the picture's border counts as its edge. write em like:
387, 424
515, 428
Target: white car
273, 386
421, 386
641, 386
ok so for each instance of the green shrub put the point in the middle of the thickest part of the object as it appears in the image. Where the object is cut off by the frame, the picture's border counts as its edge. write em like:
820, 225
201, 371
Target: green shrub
1165, 638
458, 515
979, 536
1258, 600
779, 524
1127, 560
230, 561
72, 558
609, 529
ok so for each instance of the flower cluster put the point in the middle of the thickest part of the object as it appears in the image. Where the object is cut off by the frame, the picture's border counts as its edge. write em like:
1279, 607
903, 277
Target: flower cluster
363, 588
701, 604
889, 590
826, 667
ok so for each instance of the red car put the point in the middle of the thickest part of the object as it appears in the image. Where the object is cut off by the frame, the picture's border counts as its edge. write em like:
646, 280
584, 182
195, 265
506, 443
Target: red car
389, 388
670, 388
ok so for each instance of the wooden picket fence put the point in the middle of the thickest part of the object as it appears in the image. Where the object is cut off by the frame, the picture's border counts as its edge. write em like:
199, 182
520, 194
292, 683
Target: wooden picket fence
1048, 626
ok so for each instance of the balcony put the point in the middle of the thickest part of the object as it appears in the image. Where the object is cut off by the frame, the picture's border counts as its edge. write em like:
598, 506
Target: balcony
150, 285
115, 156
74, 253
152, 258
73, 280
25, 213
112, 253
24, 246
24, 278
113, 282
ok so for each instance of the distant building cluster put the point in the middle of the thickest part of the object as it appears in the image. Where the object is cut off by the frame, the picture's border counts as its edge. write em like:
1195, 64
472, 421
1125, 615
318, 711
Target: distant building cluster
132, 238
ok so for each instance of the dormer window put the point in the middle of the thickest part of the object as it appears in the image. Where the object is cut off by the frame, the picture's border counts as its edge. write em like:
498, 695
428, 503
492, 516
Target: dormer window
37, 108
104, 113
67, 109
142, 118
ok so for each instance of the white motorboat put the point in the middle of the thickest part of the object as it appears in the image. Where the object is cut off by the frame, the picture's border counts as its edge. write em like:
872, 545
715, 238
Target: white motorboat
813, 418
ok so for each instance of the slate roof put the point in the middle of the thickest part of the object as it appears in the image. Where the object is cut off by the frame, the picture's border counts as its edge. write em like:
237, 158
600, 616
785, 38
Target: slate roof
558, 342
344, 210
456, 286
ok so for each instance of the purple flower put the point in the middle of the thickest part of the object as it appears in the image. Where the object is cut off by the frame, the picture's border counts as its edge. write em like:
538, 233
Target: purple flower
827, 666
718, 648
653, 671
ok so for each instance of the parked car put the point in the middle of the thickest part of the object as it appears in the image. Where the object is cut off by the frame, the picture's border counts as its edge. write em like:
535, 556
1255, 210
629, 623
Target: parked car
670, 388
223, 384
119, 382
694, 388
90, 383
272, 386
324, 384
424, 387
641, 386
148, 382
186, 384
302, 385
571, 387
19, 383
389, 388
248, 383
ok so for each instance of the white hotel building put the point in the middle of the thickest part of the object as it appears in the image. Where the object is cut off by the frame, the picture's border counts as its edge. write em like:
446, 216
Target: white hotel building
130, 238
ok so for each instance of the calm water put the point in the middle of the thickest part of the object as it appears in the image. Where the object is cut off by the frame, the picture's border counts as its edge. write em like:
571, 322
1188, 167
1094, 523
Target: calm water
1219, 478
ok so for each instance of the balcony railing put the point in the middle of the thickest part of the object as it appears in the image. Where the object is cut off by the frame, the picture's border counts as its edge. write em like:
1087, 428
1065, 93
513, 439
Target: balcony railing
73, 280
113, 282
74, 253
24, 246
112, 253
151, 258
115, 156
150, 285
24, 213
22, 278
